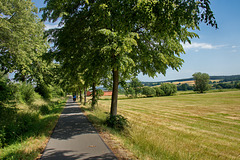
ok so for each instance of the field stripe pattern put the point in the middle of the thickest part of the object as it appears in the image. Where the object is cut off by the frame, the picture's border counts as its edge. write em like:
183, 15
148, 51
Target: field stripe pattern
194, 126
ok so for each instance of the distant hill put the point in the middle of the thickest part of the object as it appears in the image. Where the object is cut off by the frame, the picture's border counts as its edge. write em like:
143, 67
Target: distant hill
222, 78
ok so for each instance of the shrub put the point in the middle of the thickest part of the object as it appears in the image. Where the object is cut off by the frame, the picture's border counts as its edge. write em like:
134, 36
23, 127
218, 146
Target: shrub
117, 122
44, 109
25, 93
99, 93
25, 122
238, 86
6, 116
2, 137
130, 91
56, 91
15, 124
7, 119
43, 90
168, 89
149, 91
184, 87
5, 89
159, 92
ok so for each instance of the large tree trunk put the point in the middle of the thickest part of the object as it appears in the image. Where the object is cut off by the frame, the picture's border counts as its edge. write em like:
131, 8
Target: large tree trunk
85, 96
114, 93
80, 92
93, 96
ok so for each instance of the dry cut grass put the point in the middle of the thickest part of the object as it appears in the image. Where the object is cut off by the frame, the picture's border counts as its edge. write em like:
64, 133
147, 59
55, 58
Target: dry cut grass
193, 126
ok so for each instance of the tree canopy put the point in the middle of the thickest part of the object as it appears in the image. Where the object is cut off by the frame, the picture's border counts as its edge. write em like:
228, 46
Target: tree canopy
126, 37
21, 38
201, 82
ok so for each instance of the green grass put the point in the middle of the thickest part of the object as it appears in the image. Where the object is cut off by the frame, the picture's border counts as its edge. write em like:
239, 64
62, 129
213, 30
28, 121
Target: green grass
185, 126
31, 143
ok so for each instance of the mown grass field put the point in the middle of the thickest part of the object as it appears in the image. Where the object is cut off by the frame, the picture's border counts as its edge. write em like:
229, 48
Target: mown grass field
185, 126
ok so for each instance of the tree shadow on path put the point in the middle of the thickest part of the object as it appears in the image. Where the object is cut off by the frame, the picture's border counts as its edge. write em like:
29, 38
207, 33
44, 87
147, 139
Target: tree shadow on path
74, 137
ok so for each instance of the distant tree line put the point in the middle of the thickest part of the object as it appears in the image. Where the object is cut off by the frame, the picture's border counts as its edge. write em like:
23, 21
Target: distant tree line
151, 83
184, 87
223, 85
136, 88
221, 78
226, 78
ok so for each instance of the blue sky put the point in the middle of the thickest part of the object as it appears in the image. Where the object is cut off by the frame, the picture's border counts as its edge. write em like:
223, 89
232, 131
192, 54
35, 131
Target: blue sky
216, 52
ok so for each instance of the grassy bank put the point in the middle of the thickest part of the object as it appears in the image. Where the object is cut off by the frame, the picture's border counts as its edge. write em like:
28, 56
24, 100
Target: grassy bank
185, 126
31, 129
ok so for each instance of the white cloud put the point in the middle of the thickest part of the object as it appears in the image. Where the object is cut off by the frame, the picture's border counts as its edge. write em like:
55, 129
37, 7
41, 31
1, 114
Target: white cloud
51, 26
198, 46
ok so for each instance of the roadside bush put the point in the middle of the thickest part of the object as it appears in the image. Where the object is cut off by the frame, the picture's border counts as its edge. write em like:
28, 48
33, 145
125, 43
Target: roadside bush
168, 89
149, 91
5, 89
2, 137
44, 109
117, 122
15, 124
44, 91
56, 91
25, 93
7, 115
25, 122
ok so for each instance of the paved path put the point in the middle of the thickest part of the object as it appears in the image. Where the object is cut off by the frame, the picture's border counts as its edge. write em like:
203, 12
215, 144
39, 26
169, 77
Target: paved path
75, 138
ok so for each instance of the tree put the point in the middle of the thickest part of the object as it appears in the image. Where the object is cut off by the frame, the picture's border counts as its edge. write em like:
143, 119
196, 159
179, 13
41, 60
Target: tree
168, 88
133, 88
21, 39
135, 36
129, 91
136, 85
159, 92
149, 91
201, 82
237, 85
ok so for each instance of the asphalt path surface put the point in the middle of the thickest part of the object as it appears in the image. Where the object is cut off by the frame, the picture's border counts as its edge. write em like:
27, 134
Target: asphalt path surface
74, 137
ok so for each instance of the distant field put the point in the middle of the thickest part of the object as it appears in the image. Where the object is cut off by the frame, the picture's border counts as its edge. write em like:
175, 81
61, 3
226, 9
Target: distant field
191, 126
183, 82
191, 82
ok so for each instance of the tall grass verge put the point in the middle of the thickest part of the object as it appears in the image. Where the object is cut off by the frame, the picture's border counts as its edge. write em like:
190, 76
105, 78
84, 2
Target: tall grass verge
25, 133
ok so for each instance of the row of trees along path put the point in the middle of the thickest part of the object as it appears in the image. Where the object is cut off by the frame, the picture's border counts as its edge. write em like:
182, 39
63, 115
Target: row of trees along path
110, 41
